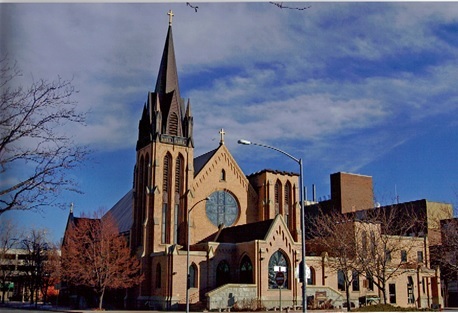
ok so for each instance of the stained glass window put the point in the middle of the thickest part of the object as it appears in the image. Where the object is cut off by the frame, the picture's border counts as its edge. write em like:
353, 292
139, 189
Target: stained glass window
277, 259
222, 208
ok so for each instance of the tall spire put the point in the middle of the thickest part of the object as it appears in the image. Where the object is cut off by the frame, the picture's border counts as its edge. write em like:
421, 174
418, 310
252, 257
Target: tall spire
165, 115
167, 79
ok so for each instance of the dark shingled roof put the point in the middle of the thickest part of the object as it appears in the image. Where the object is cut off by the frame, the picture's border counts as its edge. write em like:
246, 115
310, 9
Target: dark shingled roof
200, 161
122, 212
274, 172
242, 233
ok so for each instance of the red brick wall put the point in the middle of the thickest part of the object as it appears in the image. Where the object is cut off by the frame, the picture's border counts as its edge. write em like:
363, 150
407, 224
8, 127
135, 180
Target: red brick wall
352, 192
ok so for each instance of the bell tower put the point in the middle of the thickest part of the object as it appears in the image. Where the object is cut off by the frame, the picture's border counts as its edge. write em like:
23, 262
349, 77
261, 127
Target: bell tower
164, 164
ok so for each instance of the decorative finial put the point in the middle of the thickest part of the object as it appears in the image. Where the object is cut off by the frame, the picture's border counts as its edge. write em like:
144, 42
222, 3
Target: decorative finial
71, 208
170, 14
222, 133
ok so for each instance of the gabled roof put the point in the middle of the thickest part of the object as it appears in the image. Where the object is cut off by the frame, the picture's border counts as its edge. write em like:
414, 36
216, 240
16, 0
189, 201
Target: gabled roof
241, 233
200, 161
122, 212
73, 221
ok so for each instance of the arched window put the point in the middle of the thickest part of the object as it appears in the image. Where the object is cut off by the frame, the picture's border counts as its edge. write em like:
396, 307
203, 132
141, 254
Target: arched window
312, 279
166, 179
223, 275
278, 197
166, 173
288, 208
246, 271
173, 125
223, 175
158, 275
179, 184
278, 261
193, 276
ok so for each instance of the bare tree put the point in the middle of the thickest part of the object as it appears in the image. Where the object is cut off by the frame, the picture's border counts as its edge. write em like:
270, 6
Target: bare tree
37, 247
94, 254
446, 253
336, 234
35, 151
385, 248
51, 270
9, 238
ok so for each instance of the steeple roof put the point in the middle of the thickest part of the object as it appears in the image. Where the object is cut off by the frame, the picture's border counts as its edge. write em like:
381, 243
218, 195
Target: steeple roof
167, 78
164, 115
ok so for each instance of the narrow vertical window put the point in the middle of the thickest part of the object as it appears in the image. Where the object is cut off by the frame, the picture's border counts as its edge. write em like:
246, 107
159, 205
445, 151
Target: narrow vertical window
355, 281
403, 256
410, 294
193, 276
179, 183
222, 175
340, 280
287, 206
370, 281
164, 223
166, 173
420, 256
312, 278
173, 125
388, 255
392, 292
166, 200
277, 197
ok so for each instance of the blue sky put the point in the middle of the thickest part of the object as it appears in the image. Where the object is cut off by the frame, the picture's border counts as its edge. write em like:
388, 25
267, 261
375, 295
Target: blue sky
367, 88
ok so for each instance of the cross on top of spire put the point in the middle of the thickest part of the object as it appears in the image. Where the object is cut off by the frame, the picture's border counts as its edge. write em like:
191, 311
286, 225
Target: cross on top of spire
170, 14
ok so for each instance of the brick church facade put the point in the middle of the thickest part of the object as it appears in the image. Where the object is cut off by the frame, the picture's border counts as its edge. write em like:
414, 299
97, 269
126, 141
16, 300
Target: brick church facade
240, 227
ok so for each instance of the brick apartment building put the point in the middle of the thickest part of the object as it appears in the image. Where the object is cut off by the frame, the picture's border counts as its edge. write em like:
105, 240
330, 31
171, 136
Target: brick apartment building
417, 283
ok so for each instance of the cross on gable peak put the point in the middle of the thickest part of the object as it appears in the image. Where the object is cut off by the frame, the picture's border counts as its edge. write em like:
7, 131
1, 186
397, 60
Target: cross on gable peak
222, 133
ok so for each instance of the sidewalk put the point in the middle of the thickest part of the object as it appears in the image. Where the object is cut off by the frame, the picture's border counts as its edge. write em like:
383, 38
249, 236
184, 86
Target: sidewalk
50, 308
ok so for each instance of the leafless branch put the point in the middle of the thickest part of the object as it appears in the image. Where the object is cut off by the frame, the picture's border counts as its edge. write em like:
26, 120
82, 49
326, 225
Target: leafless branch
36, 151
194, 7
282, 6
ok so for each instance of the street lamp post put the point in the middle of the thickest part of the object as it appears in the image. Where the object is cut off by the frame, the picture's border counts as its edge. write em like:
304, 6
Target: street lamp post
301, 193
187, 254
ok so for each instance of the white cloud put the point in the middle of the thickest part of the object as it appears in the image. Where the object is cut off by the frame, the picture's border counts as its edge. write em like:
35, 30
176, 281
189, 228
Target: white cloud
288, 75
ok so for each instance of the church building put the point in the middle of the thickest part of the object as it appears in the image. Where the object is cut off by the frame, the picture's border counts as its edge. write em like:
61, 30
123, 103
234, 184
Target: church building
241, 229
205, 231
